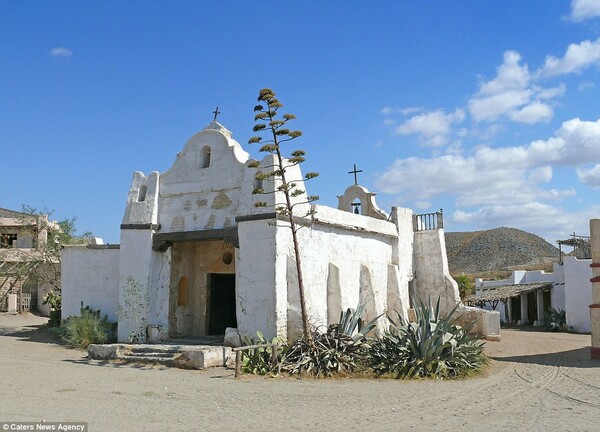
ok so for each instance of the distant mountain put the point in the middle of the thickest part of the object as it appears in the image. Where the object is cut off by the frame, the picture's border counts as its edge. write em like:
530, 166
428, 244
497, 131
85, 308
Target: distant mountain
498, 250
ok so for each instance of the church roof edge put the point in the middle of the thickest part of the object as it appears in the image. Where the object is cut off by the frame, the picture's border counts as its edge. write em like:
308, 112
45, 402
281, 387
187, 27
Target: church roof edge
215, 125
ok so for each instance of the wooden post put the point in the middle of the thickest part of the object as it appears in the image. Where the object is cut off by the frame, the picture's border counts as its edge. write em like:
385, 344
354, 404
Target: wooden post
238, 361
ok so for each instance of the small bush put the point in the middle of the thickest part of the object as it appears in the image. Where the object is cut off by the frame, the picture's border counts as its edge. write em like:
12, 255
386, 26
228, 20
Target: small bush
431, 347
464, 285
54, 300
258, 361
89, 328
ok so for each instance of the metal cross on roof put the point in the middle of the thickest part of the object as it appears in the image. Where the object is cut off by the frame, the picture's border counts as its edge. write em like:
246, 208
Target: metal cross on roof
216, 112
355, 172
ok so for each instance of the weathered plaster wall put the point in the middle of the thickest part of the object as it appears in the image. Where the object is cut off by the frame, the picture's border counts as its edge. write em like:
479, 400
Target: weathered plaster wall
91, 276
135, 259
208, 185
346, 259
257, 298
158, 311
195, 261
398, 294
432, 276
142, 199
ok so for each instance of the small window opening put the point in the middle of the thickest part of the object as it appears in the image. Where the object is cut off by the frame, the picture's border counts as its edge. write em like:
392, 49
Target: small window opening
182, 292
205, 157
356, 207
142, 193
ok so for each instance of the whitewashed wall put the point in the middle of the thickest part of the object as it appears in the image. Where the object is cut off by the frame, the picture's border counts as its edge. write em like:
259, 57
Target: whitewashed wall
578, 293
91, 276
256, 293
193, 196
346, 258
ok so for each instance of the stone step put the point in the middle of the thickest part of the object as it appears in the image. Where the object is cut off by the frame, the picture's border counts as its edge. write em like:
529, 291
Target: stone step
158, 354
181, 356
142, 349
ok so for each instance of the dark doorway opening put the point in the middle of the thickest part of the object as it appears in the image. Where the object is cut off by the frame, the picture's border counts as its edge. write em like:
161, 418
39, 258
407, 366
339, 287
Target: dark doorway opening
221, 303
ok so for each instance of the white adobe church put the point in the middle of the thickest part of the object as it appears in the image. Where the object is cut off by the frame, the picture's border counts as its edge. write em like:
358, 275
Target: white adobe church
197, 256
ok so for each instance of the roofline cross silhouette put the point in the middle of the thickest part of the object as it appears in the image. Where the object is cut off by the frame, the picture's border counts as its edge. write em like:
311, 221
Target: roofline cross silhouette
355, 172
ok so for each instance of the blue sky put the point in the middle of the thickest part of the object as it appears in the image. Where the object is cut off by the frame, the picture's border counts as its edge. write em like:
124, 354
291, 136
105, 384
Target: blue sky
486, 109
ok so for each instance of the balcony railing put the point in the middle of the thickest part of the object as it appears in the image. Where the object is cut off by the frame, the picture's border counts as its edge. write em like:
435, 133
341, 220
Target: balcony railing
428, 221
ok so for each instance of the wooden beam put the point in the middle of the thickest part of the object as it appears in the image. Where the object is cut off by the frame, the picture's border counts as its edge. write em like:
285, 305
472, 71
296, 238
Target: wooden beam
162, 241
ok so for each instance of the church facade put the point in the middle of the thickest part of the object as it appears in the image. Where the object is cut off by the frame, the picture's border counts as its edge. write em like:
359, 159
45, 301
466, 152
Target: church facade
197, 257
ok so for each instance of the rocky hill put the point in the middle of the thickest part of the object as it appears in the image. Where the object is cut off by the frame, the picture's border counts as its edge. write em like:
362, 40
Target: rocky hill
498, 250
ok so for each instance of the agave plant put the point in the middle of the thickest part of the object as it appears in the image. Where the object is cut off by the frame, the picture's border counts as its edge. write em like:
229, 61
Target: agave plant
431, 347
342, 348
556, 320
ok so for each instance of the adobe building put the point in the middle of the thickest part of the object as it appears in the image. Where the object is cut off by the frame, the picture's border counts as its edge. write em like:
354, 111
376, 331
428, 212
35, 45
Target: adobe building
197, 256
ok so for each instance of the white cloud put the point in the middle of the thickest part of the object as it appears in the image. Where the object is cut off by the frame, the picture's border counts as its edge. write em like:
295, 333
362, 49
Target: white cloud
510, 76
513, 94
422, 205
590, 176
388, 110
584, 9
551, 222
61, 52
533, 113
540, 175
513, 174
433, 126
581, 141
492, 107
410, 110
576, 58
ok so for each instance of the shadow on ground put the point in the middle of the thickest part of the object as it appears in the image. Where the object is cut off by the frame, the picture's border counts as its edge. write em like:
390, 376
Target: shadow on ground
31, 333
576, 358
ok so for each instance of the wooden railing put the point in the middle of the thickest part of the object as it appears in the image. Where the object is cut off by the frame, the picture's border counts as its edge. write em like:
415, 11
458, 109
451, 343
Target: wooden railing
581, 247
428, 221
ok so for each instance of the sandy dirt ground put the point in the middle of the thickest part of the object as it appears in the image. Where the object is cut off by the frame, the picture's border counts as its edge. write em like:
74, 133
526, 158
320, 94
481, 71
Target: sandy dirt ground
537, 381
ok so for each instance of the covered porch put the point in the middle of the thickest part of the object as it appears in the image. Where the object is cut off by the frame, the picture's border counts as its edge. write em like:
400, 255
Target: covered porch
524, 304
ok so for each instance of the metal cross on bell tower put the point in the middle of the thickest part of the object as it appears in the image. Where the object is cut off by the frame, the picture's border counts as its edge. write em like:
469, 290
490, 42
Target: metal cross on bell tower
355, 171
216, 112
